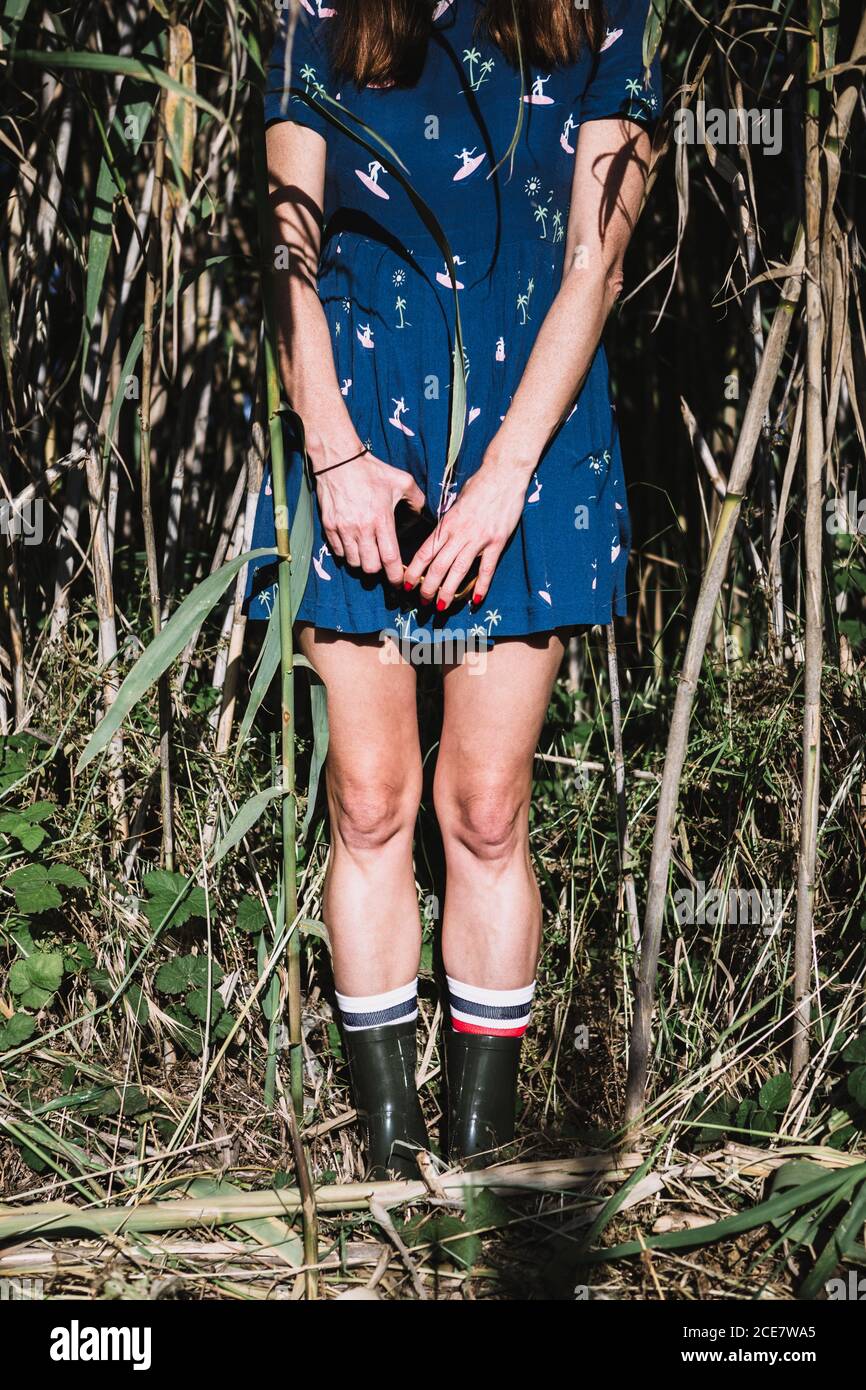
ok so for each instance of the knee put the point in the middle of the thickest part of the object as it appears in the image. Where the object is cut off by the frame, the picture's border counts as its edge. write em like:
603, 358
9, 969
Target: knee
488, 820
367, 813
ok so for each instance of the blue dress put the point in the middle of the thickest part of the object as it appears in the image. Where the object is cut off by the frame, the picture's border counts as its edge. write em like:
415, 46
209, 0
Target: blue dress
389, 303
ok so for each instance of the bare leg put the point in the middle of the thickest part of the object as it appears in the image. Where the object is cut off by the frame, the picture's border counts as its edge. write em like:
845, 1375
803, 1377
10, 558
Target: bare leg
493, 718
374, 782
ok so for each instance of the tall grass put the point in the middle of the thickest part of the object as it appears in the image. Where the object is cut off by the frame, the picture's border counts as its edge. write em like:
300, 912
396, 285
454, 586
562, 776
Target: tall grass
162, 838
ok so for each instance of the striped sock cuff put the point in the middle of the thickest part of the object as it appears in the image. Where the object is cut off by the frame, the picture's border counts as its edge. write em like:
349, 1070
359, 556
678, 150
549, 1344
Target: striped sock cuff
373, 1010
502, 1013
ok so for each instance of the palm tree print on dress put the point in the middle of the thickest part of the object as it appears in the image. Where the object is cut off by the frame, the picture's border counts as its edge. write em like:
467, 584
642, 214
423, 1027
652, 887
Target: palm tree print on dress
471, 56
541, 216
370, 179
404, 622
309, 75
640, 100
533, 188
523, 301
266, 598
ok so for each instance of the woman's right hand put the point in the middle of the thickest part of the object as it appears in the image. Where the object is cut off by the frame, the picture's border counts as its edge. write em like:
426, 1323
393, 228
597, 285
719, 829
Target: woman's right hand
356, 504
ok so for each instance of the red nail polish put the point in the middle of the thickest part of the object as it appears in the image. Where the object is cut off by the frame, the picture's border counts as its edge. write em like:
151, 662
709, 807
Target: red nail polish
425, 601
440, 605
477, 598
407, 585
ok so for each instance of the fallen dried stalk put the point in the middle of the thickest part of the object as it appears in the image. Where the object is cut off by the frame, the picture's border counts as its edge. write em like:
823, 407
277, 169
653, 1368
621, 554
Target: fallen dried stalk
56, 1218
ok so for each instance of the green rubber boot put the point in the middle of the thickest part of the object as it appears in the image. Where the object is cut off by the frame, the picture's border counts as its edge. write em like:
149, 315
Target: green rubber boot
482, 1094
382, 1068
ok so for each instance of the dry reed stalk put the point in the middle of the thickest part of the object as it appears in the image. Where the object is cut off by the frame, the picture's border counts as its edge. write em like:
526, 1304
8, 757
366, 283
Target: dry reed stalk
48, 1219
153, 276
814, 649
253, 477
100, 562
627, 892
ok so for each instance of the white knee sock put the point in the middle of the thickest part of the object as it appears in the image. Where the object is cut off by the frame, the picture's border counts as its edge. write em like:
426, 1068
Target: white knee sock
373, 1010
501, 1013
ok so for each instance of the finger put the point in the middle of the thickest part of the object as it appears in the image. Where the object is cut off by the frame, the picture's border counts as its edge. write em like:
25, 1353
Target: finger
456, 574
335, 545
438, 568
389, 551
369, 551
350, 549
419, 562
486, 570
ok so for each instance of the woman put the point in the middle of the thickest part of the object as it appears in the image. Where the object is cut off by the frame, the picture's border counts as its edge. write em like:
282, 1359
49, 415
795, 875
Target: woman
527, 535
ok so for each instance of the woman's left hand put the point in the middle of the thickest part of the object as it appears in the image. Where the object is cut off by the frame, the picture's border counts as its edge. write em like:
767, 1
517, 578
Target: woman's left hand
480, 522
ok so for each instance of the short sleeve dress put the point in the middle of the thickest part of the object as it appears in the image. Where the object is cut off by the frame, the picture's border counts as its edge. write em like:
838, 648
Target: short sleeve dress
389, 302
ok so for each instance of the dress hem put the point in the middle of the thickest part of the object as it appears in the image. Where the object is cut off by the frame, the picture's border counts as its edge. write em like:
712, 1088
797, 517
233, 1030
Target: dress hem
536, 622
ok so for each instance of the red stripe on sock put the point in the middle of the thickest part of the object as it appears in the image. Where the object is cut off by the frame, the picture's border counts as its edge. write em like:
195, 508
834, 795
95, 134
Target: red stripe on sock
460, 1027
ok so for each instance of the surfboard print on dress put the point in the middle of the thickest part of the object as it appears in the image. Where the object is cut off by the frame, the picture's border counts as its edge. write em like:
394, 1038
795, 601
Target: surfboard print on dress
570, 125
445, 279
400, 408
318, 565
469, 164
370, 179
536, 97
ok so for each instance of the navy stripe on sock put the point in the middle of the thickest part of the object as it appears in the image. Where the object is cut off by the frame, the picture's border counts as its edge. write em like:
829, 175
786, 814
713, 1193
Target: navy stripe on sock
372, 1020
468, 1006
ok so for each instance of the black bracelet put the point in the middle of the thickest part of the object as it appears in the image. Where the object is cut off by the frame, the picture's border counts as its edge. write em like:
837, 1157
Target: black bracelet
317, 472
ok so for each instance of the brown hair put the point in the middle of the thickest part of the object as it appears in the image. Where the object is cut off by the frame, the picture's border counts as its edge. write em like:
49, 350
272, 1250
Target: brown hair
378, 41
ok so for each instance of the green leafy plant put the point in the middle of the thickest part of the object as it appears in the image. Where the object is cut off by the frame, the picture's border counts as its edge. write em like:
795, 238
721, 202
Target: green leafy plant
186, 980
